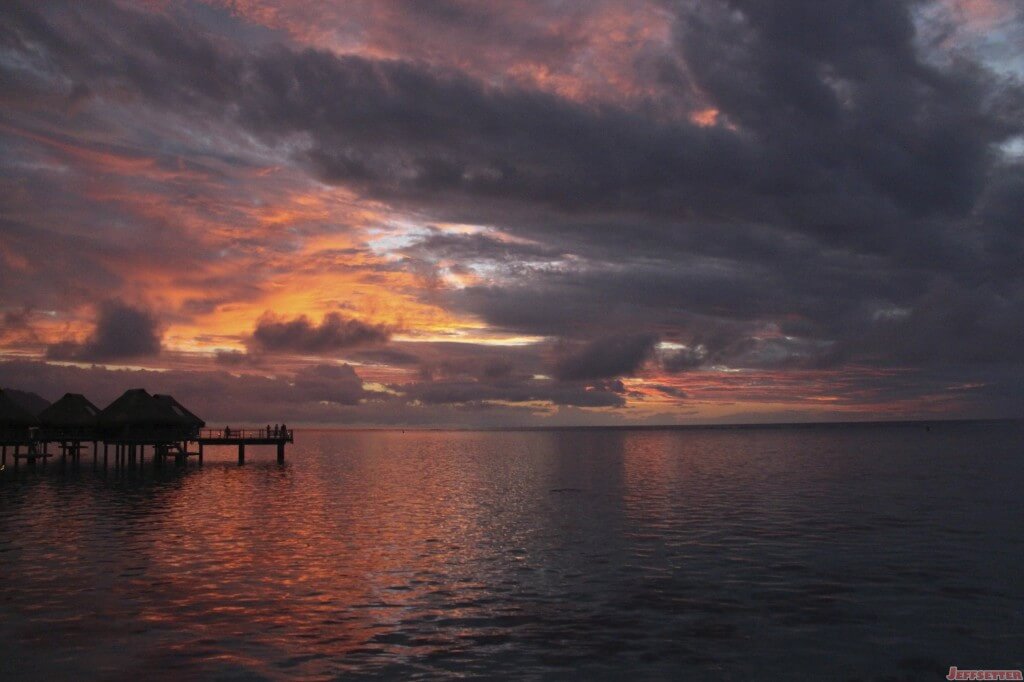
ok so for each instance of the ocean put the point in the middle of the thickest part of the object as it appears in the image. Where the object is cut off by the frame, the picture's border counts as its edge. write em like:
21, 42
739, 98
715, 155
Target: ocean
845, 552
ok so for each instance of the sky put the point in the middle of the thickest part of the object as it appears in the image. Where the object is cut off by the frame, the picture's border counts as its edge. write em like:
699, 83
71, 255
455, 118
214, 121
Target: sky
450, 213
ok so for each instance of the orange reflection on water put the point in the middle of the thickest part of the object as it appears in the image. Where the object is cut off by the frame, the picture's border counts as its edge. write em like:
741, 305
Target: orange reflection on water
295, 560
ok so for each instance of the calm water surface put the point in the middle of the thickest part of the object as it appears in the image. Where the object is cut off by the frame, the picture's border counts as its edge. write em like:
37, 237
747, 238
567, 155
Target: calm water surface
867, 552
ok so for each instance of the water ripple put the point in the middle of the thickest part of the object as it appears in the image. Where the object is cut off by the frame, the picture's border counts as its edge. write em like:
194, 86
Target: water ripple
709, 553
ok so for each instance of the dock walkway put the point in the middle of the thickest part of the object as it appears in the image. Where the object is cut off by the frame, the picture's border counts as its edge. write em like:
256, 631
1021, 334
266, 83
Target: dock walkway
243, 437
129, 445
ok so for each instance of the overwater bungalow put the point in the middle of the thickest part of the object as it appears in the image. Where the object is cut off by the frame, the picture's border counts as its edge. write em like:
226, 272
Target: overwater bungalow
131, 423
16, 422
72, 418
138, 417
188, 418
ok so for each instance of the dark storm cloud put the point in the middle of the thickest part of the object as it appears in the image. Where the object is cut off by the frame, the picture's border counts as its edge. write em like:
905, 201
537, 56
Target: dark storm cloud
122, 332
844, 133
605, 357
850, 203
949, 324
301, 335
399, 130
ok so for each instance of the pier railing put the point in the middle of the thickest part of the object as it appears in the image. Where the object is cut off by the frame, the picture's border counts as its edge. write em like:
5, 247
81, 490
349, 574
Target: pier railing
246, 434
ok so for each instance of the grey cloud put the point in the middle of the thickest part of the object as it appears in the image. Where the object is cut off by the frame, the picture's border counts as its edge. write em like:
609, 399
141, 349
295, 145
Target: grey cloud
301, 335
683, 359
234, 358
482, 247
949, 324
122, 332
331, 383
605, 357
384, 356
16, 327
461, 392
845, 133
671, 391
851, 206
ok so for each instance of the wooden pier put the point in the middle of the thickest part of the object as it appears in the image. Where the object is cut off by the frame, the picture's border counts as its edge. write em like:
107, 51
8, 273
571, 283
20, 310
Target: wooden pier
131, 450
127, 426
243, 437
32, 451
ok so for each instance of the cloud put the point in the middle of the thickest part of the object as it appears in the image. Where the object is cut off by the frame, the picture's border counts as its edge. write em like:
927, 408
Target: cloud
384, 356
605, 357
481, 247
234, 358
683, 359
522, 391
775, 186
122, 332
16, 328
330, 383
300, 335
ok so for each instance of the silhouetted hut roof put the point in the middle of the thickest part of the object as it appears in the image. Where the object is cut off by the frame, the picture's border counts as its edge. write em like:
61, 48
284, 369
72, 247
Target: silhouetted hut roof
13, 415
73, 410
180, 410
31, 402
136, 407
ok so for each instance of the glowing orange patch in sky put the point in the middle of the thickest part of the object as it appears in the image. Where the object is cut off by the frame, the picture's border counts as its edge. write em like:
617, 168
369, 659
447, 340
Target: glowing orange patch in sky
705, 117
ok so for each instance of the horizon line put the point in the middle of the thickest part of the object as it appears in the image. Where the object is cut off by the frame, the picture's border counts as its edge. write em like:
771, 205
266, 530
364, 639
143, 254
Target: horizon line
672, 427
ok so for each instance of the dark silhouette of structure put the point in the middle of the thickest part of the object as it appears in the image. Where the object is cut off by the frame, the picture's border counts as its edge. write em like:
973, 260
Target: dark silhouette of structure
138, 417
187, 419
16, 425
73, 416
243, 437
70, 422
130, 423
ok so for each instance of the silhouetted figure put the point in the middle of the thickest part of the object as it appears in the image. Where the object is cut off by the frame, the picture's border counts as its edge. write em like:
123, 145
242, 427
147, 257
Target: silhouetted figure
268, 430
284, 431
277, 429
227, 432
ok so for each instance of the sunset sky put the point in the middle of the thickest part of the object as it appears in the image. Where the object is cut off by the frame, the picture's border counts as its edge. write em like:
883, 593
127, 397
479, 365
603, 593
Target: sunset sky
456, 213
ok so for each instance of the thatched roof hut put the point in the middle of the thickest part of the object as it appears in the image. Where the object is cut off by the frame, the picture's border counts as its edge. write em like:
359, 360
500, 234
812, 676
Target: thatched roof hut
184, 413
15, 420
72, 416
139, 416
